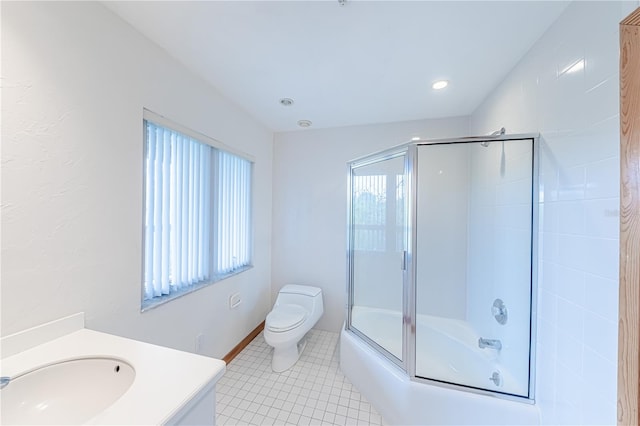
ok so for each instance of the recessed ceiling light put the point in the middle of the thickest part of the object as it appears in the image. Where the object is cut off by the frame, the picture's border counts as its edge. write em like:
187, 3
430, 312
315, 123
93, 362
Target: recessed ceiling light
286, 101
304, 123
440, 84
415, 138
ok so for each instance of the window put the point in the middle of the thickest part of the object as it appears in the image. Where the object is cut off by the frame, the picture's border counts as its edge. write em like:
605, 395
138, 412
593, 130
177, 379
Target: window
379, 212
197, 212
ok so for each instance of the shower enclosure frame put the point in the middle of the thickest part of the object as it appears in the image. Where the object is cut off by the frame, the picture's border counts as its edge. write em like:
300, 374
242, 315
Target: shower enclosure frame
409, 266
388, 154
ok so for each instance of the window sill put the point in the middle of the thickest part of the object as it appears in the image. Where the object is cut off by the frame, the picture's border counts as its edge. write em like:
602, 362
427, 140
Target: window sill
161, 300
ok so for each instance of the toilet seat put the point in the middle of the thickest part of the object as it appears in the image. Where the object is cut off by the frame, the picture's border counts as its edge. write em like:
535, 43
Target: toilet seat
285, 317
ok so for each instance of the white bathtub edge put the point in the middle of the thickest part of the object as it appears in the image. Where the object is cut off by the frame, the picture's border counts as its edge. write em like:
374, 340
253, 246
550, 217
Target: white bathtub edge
401, 401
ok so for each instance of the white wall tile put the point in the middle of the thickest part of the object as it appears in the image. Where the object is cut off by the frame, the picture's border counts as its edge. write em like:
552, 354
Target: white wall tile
600, 371
569, 350
571, 285
550, 243
548, 186
602, 297
596, 409
549, 217
566, 413
604, 99
571, 183
602, 50
572, 251
601, 257
597, 336
548, 306
571, 217
568, 394
597, 138
603, 179
546, 344
577, 116
602, 218
570, 318
569, 105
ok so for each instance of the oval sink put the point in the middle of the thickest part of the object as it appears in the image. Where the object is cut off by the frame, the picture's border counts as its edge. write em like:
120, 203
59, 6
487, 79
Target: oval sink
68, 392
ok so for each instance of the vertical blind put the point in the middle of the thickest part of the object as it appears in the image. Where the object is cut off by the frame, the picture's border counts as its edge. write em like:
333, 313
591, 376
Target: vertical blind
233, 207
378, 212
370, 212
197, 212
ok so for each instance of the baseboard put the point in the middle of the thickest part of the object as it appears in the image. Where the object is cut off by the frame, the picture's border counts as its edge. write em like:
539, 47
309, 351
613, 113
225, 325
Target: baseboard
243, 344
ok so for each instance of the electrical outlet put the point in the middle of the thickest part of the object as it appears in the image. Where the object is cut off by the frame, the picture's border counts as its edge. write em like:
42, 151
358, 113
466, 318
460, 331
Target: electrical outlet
234, 300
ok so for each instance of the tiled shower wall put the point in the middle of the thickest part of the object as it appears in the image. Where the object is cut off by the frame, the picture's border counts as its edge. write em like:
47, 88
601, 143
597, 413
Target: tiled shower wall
567, 89
499, 239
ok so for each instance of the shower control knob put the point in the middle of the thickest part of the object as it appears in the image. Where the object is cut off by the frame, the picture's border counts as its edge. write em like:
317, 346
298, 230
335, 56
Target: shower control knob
499, 311
496, 378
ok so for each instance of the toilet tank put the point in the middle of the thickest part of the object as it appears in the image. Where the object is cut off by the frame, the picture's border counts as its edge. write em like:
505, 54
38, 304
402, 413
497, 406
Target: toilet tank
308, 297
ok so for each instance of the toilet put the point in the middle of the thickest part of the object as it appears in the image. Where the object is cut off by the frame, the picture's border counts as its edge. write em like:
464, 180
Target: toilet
297, 309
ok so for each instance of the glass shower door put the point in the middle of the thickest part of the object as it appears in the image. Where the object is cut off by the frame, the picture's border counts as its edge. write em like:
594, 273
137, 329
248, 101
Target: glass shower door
377, 241
473, 254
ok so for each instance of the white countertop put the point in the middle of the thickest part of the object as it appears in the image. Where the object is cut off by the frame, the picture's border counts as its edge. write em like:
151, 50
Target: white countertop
165, 381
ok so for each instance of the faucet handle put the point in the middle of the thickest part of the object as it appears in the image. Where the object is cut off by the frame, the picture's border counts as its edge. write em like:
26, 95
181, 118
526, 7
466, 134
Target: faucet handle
496, 378
499, 311
489, 343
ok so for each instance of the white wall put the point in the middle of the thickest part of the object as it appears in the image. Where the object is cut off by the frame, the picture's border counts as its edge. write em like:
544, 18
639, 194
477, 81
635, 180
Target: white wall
577, 115
310, 201
75, 79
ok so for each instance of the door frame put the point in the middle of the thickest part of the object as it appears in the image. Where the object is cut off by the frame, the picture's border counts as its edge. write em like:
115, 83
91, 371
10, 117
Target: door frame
629, 298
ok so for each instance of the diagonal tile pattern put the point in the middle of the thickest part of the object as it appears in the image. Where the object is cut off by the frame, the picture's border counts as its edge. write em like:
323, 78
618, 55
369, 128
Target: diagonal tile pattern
312, 392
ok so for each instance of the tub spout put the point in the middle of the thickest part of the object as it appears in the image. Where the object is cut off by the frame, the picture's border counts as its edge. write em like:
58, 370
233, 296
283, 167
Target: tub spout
489, 343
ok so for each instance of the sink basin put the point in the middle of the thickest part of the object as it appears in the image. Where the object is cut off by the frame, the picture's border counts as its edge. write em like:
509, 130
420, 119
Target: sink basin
66, 392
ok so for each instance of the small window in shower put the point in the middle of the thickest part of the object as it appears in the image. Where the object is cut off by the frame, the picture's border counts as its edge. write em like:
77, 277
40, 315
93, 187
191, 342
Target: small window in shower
378, 212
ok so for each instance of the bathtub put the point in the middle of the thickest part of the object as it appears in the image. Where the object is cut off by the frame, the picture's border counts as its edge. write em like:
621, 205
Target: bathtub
402, 401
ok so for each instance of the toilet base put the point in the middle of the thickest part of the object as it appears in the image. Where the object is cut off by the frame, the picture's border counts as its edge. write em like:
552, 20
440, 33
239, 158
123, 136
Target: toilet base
286, 357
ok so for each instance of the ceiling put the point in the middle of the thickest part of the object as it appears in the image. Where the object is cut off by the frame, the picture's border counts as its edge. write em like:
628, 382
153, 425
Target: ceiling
361, 63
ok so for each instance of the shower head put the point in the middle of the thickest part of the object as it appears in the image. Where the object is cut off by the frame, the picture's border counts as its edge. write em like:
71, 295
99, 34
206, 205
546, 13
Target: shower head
500, 132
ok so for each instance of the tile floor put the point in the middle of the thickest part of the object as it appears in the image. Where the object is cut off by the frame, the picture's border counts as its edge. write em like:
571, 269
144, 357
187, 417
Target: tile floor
312, 392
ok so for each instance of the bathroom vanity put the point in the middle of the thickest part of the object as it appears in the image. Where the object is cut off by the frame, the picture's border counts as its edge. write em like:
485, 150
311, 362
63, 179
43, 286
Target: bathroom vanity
63, 373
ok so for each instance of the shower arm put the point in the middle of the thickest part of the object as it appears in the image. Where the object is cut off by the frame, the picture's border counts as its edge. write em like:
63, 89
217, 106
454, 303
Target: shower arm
495, 134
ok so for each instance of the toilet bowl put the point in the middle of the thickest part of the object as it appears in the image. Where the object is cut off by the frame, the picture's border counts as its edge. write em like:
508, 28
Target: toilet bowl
297, 309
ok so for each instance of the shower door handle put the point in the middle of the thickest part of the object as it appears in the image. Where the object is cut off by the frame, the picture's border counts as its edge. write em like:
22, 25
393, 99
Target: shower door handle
403, 264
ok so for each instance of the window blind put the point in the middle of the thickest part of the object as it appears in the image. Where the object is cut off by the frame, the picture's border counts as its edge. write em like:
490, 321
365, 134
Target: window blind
233, 206
177, 211
197, 219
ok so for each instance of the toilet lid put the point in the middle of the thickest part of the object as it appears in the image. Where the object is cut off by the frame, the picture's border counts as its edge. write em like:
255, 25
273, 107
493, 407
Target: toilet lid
285, 317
